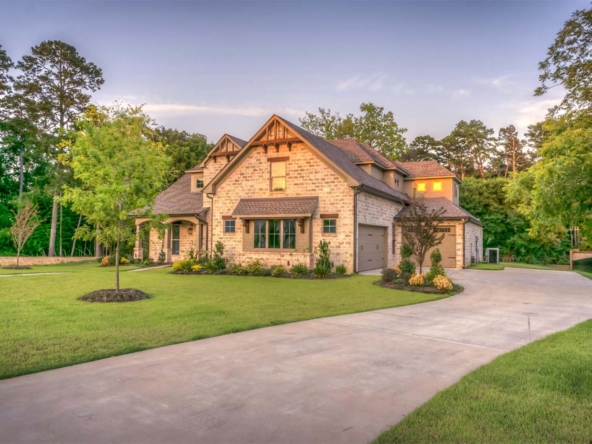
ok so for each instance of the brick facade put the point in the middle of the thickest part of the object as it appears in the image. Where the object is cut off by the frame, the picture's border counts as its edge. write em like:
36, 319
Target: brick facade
306, 175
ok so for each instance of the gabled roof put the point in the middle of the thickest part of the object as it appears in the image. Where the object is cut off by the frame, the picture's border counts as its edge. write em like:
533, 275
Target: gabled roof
178, 199
425, 169
451, 210
240, 143
359, 152
276, 206
333, 155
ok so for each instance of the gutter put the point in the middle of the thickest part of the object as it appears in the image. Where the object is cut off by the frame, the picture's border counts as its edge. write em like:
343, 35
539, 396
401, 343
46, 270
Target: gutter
357, 190
211, 226
464, 240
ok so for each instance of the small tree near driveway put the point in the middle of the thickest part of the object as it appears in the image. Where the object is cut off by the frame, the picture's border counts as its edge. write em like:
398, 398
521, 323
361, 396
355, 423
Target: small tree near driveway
25, 222
118, 169
420, 229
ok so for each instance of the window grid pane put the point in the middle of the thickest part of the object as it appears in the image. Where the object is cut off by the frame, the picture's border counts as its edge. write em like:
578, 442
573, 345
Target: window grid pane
277, 173
274, 233
176, 235
289, 233
229, 226
199, 183
260, 233
329, 226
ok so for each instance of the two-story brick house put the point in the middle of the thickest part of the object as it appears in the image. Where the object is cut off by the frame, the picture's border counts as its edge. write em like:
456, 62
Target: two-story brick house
274, 197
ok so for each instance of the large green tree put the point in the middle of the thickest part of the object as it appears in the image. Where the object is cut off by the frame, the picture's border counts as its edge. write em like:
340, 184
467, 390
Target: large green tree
569, 63
56, 81
118, 170
423, 148
185, 149
373, 126
512, 151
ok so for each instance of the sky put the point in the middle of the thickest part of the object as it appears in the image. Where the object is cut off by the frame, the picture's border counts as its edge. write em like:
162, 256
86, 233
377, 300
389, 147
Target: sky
226, 67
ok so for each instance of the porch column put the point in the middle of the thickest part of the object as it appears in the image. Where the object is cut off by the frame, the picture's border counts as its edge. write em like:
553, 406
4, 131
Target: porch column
167, 245
197, 237
138, 250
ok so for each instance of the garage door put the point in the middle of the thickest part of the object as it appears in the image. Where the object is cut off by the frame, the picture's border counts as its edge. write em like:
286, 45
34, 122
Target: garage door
447, 248
371, 247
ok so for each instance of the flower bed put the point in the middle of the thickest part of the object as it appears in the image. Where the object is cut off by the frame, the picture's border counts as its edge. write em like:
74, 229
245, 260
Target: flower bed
420, 289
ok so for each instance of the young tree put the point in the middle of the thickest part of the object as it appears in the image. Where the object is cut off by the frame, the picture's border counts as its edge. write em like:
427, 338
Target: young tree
25, 222
374, 126
185, 150
119, 169
56, 80
475, 141
420, 228
569, 62
512, 150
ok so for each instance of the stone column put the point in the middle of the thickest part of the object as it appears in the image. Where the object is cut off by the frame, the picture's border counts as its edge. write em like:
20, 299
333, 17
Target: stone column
138, 250
167, 245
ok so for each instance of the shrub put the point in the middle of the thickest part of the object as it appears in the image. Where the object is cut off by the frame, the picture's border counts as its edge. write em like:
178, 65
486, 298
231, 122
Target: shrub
278, 271
321, 271
407, 267
183, 265
323, 266
406, 251
148, 262
210, 266
255, 268
397, 270
124, 261
442, 283
435, 270
416, 280
389, 275
237, 269
196, 268
161, 257
266, 272
341, 270
299, 270
436, 257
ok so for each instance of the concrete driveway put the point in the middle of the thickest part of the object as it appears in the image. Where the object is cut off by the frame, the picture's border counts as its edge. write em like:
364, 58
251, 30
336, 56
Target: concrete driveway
339, 379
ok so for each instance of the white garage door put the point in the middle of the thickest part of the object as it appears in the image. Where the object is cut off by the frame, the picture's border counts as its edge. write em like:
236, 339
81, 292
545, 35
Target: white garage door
372, 248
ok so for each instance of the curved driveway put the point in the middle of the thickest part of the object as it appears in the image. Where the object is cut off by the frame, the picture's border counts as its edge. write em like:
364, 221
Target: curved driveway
339, 379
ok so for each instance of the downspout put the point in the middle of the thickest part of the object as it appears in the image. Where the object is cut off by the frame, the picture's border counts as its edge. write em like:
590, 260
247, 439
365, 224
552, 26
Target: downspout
464, 239
357, 190
211, 226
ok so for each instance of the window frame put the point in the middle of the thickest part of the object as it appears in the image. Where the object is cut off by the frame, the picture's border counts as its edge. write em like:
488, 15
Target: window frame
277, 237
228, 223
272, 176
197, 182
329, 226
176, 240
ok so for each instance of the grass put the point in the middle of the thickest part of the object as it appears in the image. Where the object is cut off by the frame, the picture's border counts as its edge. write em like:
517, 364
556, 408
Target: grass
541, 392
44, 326
586, 274
502, 265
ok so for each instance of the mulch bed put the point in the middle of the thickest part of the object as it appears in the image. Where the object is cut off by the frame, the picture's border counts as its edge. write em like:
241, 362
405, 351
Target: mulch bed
124, 295
14, 267
425, 289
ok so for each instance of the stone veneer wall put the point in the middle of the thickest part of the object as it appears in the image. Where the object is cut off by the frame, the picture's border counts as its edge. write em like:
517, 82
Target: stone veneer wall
378, 211
306, 175
212, 168
472, 232
187, 242
43, 260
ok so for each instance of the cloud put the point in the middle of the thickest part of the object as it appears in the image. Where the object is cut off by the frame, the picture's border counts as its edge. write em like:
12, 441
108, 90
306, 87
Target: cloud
531, 111
176, 108
372, 82
430, 88
459, 93
402, 88
496, 82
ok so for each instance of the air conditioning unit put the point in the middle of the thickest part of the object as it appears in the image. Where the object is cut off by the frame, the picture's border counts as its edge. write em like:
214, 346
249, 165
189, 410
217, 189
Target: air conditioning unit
492, 255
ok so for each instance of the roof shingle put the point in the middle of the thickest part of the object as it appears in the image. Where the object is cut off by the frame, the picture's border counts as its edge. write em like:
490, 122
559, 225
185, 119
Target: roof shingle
178, 199
451, 210
425, 168
278, 206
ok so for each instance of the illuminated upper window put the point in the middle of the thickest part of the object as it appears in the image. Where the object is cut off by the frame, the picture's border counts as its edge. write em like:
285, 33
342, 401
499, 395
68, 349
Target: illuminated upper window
437, 186
421, 187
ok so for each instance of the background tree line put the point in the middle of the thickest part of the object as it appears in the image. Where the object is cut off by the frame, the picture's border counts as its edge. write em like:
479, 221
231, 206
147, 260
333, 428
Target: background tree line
533, 192
42, 97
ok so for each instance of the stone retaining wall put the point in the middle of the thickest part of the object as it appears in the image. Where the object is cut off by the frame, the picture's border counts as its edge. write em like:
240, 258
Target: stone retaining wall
42, 260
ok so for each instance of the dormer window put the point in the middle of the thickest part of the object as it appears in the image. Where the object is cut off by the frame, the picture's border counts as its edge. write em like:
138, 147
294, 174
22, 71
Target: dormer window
277, 175
437, 186
199, 183
397, 183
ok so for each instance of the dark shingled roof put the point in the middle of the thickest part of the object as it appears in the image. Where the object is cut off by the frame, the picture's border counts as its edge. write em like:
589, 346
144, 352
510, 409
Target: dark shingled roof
359, 152
426, 168
337, 156
178, 199
239, 142
279, 206
451, 210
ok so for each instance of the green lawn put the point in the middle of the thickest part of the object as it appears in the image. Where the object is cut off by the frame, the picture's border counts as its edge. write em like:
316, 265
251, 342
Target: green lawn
502, 265
44, 326
539, 393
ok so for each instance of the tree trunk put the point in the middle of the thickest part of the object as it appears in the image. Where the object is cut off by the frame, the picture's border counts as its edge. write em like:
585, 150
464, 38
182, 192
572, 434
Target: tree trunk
54, 227
18, 256
74, 240
117, 260
21, 172
97, 243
